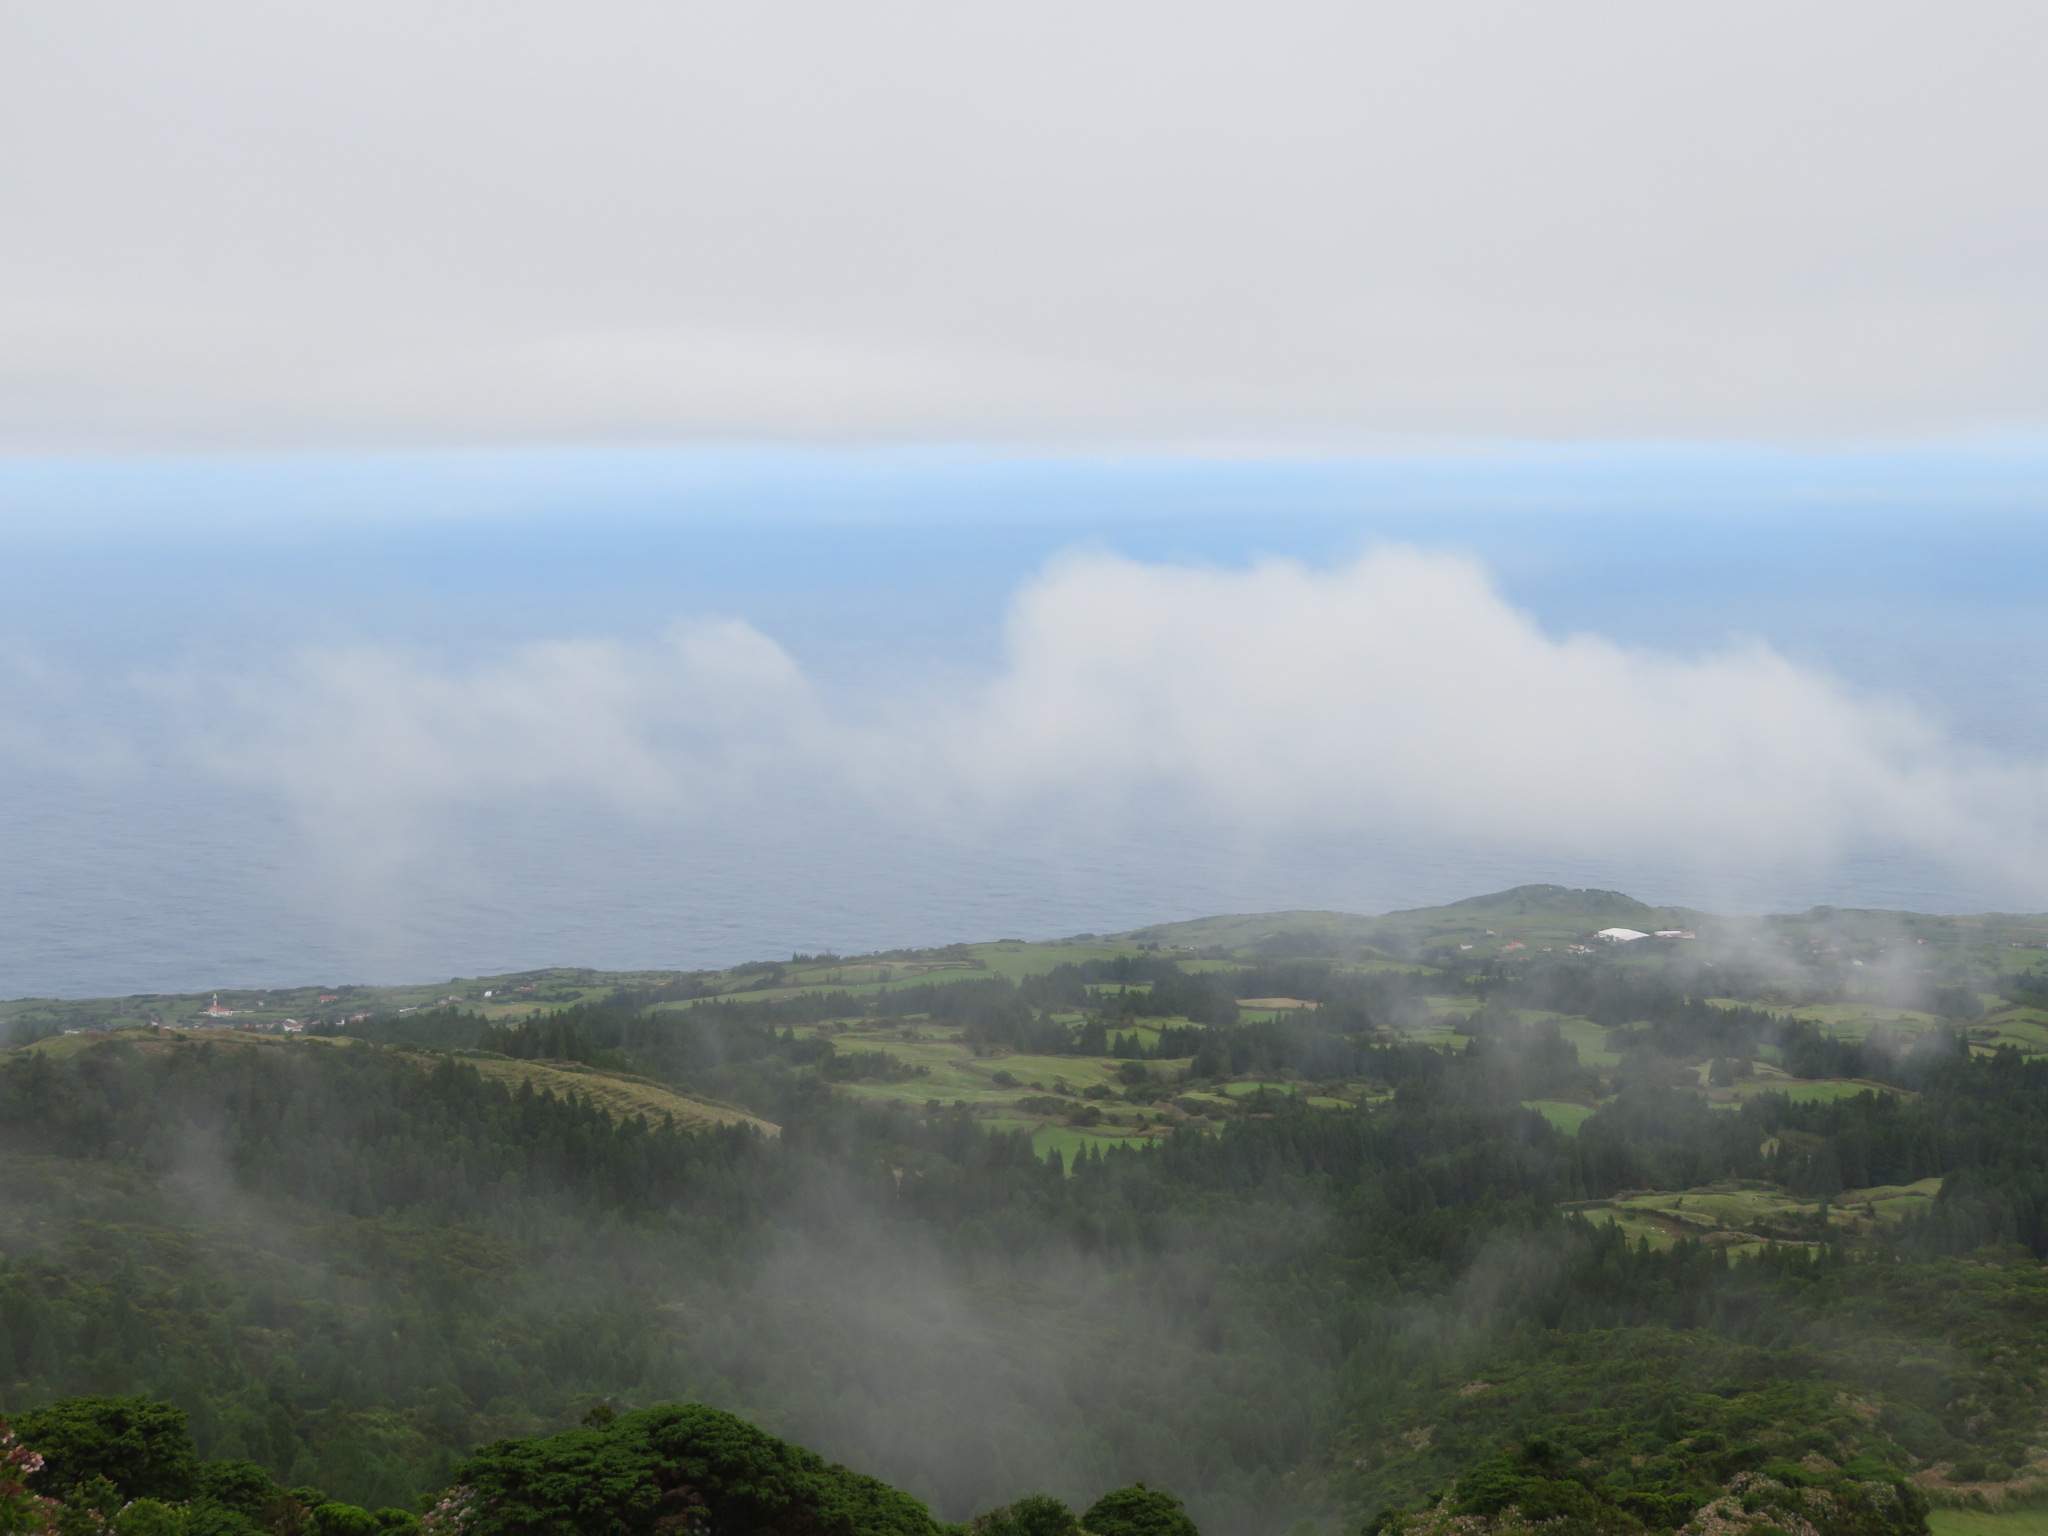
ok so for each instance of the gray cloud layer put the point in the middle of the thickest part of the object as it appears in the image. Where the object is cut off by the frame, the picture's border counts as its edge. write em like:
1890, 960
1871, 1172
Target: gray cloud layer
233, 222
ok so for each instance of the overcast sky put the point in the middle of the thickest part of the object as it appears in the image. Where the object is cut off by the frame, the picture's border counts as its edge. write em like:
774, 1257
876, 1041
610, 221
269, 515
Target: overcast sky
268, 223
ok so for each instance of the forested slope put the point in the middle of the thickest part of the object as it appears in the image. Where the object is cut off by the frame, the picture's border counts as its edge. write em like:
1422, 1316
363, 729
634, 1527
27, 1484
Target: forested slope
1321, 1237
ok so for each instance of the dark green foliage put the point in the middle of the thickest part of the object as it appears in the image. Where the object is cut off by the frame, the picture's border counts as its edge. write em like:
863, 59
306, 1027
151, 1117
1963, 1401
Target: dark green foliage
1538, 1484
203, 1517
139, 1446
88, 1508
1641, 1427
1036, 1514
333, 1519
1538, 1487
361, 1131
555, 1037
1138, 1511
674, 1468
433, 1029
235, 1484
131, 1458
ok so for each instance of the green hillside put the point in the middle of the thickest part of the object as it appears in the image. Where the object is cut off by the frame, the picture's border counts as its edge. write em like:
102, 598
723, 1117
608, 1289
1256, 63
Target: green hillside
1442, 1217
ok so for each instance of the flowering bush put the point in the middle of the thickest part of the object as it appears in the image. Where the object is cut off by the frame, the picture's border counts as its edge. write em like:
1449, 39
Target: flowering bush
451, 1516
22, 1513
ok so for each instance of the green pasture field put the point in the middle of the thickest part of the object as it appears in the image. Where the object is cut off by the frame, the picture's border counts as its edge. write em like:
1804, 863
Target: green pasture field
1019, 960
903, 975
955, 1074
946, 1086
1802, 1090
2025, 1028
1147, 1031
1001, 1122
1566, 1116
1854, 1021
1639, 1226
1067, 1140
1244, 1090
1893, 1201
60, 1047
2017, 1013
617, 1094
1985, 1522
1827, 1091
1245, 930
1590, 1040
1079, 1071
1440, 1035
1848, 1021
1010, 958
1665, 1219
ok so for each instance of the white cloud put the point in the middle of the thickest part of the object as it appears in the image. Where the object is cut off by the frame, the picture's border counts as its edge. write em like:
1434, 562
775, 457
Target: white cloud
1400, 693
408, 221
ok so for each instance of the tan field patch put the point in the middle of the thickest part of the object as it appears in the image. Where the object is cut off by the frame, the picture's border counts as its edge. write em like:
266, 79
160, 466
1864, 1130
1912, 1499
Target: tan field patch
1727, 1213
616, 1093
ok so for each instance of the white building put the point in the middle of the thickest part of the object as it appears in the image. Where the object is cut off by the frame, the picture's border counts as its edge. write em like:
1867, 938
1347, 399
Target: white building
1620, 935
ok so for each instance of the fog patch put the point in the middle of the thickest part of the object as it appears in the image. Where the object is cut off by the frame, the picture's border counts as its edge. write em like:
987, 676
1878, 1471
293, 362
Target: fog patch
970, 1382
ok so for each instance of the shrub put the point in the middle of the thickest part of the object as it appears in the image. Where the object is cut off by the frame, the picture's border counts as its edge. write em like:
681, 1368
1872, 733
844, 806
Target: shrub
139, 1446
1138, 1511
1036, 1514
675, 1467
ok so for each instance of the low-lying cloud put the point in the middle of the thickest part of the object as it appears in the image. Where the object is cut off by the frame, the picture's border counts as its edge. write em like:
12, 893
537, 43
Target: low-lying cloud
369, 743
1399, 693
